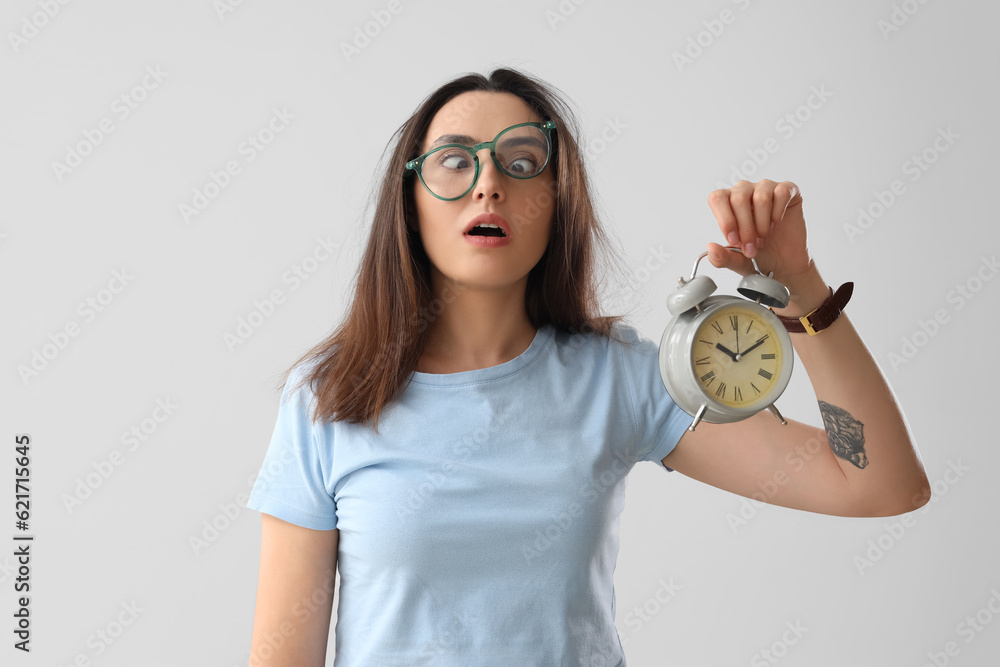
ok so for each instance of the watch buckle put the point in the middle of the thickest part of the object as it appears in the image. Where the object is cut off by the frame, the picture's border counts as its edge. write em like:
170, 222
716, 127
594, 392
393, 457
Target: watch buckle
807, 325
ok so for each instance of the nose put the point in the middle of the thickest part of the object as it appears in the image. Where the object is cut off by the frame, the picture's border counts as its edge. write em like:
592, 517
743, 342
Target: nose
490, 183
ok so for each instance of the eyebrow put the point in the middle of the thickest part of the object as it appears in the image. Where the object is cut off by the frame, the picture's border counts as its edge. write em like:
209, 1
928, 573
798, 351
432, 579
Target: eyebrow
453, 139
466, 140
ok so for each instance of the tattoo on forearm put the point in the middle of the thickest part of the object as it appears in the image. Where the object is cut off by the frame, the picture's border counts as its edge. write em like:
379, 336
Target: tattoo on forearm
845, 433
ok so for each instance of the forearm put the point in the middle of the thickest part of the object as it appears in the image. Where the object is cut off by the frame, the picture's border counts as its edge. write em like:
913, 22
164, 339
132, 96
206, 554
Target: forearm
863, 422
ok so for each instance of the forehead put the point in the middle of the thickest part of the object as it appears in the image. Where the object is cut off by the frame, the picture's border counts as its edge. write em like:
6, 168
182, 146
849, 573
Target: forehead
478, 115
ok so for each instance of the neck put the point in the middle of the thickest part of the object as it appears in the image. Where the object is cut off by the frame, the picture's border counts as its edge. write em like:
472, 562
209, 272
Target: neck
476, 327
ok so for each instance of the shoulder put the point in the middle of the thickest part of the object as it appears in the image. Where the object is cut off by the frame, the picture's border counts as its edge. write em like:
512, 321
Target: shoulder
624, 344
632, 342
300, 384
621, 333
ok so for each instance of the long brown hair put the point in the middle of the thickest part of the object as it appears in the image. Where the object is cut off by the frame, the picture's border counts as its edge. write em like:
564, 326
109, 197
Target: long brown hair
360, 367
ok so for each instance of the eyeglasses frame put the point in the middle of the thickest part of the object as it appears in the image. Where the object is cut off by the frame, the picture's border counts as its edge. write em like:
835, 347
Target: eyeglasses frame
416, 164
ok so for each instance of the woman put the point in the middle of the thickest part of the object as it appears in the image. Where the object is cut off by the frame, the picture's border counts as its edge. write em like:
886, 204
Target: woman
460, 442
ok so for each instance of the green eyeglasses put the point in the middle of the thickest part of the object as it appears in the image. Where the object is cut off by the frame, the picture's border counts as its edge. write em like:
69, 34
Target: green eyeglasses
450, 171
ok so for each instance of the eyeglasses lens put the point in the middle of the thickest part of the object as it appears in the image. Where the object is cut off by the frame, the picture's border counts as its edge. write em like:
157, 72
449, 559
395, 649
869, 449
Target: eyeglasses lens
521, 152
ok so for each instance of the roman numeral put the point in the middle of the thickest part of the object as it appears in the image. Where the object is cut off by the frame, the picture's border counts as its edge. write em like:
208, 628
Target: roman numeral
739, 394
767, 356
701, 362
755, 387
721, 391
717, 326
701, 340
748, 327
764, 374
708, 377
762, 338
734, 320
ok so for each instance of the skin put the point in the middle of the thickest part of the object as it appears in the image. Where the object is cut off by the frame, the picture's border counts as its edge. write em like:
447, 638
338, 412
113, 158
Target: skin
484, 323
482, 290
297, 567
867, 465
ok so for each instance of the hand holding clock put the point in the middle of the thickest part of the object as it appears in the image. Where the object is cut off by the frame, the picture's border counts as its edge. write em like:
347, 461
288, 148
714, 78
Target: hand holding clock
765, 220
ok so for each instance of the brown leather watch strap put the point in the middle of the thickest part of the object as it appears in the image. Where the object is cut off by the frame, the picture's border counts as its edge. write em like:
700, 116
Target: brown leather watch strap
823, 316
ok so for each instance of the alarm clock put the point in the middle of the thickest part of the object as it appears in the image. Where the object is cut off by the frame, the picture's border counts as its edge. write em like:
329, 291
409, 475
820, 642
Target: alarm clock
725, 358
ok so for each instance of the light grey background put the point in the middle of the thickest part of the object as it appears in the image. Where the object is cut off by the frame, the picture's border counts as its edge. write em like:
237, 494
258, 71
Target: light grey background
681, 129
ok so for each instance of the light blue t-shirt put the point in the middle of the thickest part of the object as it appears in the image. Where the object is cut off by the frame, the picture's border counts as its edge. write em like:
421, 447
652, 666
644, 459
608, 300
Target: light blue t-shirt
480, 527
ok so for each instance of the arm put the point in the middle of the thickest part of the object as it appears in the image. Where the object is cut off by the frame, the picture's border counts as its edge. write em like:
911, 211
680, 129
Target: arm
863, 463
297, 573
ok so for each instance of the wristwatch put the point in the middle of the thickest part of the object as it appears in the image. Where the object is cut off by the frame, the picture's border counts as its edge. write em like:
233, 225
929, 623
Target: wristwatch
822, 317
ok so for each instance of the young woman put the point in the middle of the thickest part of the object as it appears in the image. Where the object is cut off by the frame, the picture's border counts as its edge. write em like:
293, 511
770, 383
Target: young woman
458, 446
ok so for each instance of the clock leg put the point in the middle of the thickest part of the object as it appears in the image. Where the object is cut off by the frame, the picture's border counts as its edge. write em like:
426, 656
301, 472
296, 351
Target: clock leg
697, 417
774, 411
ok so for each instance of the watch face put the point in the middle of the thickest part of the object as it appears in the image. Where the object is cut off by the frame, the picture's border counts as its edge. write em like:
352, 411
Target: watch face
737, 357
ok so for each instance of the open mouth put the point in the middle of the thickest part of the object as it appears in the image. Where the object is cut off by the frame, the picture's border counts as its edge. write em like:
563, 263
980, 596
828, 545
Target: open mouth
486, 230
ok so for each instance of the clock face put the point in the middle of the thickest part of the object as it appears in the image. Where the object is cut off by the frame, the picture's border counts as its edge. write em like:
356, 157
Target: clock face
737, 357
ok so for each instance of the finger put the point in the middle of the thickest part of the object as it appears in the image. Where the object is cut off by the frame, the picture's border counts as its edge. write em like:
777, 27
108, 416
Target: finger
763, 195
723, 258
741, 202
718, 201
783, 194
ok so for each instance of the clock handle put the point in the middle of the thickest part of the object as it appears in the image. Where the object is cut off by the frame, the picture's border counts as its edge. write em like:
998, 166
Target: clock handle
774, 411
694, 269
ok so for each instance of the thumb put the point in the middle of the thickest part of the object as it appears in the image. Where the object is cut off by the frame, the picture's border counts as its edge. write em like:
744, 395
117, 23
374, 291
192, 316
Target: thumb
723, 258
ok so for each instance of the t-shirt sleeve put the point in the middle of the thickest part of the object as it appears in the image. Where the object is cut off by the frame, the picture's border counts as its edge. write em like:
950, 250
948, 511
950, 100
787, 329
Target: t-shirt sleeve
659, 422
292, 484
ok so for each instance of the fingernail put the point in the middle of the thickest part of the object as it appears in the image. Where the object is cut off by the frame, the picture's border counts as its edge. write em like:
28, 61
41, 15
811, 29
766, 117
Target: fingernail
751, 250
734, 238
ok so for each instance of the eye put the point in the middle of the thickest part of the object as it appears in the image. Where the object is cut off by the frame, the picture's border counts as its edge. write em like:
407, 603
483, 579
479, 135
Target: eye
454, 160
523, 165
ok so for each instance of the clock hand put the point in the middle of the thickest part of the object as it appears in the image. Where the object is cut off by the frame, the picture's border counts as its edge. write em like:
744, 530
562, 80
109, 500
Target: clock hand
732, 355
760, 342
